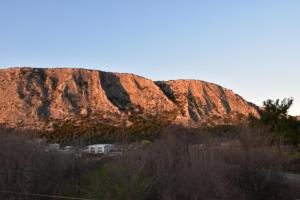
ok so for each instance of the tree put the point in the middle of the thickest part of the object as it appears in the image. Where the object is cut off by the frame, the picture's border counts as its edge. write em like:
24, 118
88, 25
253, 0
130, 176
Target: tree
274, 112
274, 118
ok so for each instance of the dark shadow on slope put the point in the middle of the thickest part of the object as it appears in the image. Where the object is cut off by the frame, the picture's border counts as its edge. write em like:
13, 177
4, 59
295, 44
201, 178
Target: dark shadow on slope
208, 102
32, 86
44, 109
72, 99
83, 89
166, 89
224, 100
114, 90
193, 104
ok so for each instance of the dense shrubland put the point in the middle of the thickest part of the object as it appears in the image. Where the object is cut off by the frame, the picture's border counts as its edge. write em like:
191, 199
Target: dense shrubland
87, 131
186, 165
26, 167
182, 164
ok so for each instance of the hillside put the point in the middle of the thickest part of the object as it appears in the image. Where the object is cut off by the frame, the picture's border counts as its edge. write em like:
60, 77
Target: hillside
36, 98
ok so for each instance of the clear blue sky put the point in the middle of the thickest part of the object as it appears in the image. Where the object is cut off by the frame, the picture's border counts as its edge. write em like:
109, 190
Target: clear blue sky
252, 47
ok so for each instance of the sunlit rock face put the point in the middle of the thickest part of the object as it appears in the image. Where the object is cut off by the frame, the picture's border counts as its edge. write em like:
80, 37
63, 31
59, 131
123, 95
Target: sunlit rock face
200, 101
33, 97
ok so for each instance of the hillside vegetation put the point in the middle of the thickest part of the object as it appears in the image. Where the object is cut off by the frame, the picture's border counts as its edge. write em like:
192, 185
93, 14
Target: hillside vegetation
182, 164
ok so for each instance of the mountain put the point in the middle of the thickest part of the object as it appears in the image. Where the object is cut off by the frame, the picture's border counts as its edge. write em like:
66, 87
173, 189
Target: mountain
37, 97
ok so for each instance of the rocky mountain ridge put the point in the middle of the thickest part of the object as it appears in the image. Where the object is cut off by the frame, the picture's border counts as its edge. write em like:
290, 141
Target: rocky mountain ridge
35, 97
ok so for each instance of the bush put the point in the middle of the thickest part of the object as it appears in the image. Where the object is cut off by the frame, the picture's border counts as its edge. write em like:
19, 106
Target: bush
185, 166
27, 168
86, 131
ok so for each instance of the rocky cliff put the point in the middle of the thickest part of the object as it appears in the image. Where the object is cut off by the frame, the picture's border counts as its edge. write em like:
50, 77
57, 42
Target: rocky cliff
34, 98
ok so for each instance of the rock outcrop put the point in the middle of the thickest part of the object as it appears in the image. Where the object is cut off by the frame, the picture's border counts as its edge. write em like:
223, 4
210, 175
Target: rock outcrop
200, 101
34, 97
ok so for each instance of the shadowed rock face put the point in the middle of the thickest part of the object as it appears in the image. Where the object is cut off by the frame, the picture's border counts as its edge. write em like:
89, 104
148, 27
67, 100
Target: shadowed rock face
114, 90
30, 97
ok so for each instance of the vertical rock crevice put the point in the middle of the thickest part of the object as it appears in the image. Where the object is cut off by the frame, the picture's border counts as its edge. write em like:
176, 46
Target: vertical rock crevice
114, 90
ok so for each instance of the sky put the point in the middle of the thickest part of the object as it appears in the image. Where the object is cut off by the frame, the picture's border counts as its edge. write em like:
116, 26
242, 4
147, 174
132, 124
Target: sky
251, 47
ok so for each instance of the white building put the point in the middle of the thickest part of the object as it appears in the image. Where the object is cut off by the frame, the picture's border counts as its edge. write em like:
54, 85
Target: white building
68, 149
99, 149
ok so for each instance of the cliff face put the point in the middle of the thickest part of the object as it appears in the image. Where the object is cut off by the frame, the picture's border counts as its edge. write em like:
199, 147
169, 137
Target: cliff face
31, 97
200, 101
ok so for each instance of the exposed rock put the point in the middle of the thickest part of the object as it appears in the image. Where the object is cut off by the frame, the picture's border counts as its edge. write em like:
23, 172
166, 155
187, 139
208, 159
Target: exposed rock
34, 97
199, 100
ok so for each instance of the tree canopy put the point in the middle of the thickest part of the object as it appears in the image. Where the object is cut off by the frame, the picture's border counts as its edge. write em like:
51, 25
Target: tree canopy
274, 118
